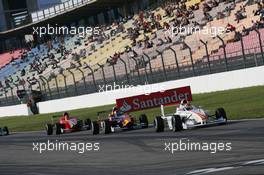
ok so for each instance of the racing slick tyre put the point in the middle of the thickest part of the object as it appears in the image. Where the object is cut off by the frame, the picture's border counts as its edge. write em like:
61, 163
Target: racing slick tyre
95, 128
176, 123
49, 129
159, 124
79, 125
58, 128
88, 123
106, 127
5, 129
220, 113
143, 119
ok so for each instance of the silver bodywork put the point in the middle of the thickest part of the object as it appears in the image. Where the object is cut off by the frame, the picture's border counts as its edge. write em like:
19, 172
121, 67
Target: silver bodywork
191, 117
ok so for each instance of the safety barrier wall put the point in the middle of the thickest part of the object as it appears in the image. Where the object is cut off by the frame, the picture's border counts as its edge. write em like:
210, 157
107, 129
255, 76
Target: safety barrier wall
202, 84
21, 110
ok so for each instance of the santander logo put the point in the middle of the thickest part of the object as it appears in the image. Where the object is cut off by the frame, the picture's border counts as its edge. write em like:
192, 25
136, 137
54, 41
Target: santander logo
125, 107
140, 102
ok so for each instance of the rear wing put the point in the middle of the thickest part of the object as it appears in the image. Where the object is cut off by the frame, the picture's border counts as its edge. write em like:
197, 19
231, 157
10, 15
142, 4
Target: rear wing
162, 110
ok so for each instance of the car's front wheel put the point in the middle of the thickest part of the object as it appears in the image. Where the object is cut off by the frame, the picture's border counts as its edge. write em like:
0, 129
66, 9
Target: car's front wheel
159, 124
5, 130
49, 129
88, 123
58, 128
106, 127
95, 128
221, 113
143, 119
176, 123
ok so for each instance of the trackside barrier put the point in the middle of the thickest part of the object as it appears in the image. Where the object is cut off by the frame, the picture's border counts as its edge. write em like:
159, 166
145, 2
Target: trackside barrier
16, 110
200, 84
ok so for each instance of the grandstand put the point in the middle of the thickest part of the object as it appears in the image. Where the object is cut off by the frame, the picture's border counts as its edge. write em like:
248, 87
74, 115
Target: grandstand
134, 46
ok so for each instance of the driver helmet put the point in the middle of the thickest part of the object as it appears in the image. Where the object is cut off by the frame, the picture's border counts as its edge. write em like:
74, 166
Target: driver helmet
114, 110
66, 116
188, 104
184, 102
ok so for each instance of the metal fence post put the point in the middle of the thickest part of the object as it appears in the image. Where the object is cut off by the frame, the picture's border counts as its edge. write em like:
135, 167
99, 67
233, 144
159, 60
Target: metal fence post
47, 82
65, 84
260, 43
176, 60
150, 67
243, 51
127, 77
113, 66
12, 94
163, 64
84, 82
190, 51
30, 85
39, 84
137, 68
57, 85
145, 67
4, 88
223, 45
93, 77
17, 88
44, 85
74, 81
23, 85
207, 54
102, 68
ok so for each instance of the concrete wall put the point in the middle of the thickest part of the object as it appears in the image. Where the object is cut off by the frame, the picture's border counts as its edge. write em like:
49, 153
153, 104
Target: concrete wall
21, 110
202, 84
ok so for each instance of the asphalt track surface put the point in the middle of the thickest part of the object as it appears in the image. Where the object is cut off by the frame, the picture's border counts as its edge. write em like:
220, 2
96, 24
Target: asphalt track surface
139, 152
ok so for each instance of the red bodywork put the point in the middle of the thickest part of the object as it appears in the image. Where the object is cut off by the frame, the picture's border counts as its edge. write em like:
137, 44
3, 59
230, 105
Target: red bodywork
69, 124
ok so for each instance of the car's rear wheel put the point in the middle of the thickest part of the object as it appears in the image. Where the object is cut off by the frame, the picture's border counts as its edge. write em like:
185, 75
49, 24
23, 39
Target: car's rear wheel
58, 128
221, 113
95, 128
79, 124
49, 129
5, 130
176, 123
88, 123
159, 124
106, 127
143, 119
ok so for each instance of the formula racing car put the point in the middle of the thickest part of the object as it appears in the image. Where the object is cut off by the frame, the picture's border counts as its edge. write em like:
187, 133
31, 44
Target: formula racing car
188, 116
117, 120
67, 124
4, 131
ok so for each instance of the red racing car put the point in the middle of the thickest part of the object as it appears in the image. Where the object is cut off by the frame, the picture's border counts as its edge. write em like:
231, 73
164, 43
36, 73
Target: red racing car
67, 124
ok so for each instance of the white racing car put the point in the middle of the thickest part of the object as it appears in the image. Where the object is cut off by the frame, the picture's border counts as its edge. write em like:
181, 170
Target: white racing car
188, 116
4, 131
